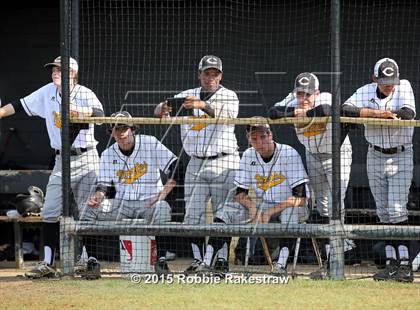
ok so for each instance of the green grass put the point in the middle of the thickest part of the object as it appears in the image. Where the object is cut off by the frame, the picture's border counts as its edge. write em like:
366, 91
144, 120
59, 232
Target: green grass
122, 294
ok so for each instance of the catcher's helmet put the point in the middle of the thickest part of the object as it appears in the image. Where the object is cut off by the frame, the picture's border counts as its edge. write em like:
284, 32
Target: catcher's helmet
31, 203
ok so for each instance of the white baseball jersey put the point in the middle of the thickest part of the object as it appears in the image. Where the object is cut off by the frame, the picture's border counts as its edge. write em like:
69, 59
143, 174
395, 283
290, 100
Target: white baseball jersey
273, 181
209, 140
136, 177
46, 103
385, 136
315, 137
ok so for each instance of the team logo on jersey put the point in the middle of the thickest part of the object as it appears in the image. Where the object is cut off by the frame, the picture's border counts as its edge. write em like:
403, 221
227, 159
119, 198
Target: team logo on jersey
198, 127
315, 130
131, 175
265, 183
57, 119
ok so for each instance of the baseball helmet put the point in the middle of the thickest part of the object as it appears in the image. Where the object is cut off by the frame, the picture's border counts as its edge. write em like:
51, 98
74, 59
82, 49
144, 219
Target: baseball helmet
28, 203
122, 120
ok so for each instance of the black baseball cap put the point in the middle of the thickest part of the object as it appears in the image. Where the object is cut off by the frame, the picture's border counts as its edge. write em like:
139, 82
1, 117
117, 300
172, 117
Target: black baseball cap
121, 121
386, 71
306, 82
210, 61
257, 127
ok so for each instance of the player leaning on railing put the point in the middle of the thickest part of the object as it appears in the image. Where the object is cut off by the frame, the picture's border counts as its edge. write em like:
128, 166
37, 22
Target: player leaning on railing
46, 103
307, 100
389, 157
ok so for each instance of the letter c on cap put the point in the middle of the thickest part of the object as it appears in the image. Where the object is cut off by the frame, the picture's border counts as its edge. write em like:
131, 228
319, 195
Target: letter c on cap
304, 81
388, 71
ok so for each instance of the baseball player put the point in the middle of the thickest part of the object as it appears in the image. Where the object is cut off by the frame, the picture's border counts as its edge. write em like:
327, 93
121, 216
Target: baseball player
46, 103
214, 156
390, 155
276, 174
306, 100
130, 177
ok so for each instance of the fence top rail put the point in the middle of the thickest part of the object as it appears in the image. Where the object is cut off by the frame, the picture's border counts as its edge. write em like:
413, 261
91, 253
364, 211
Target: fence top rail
136, 227
244, 121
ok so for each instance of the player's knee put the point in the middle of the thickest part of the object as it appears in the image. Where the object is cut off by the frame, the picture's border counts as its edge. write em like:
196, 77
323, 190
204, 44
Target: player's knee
50, 219
162, 212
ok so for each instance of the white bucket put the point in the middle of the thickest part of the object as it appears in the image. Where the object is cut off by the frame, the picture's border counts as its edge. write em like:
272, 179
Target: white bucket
138, 254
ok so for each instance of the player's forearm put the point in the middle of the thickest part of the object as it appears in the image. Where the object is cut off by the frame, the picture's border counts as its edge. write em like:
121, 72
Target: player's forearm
7, 110
167, 188
376, 113
245, 201
365, 112
208, 109
292, 201
82, 111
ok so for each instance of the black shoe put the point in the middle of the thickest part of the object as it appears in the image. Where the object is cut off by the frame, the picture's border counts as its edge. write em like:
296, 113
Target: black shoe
278, 270
193, 267
389, 273
404, 274
221, 265
42, 270
322, 273
162, 266
93, 269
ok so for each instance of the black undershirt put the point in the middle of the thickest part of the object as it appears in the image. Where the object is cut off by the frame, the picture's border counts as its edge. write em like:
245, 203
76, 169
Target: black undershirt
379, 94
268, 159
127, 152
205, 95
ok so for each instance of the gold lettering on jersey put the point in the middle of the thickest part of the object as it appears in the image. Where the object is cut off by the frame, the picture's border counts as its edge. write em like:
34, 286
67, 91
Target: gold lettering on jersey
198, 127
265, 183
131, 175
57, 119
315, 130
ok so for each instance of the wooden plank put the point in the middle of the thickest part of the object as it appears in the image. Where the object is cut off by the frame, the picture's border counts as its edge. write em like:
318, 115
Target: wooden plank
28, 219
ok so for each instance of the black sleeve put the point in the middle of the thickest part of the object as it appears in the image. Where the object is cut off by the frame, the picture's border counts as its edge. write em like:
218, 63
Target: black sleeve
172, 172
405, 113
299, 191
241, 190
17, 105
279, 112
109, 190
321, 110
345, 128
97, 112
351, 111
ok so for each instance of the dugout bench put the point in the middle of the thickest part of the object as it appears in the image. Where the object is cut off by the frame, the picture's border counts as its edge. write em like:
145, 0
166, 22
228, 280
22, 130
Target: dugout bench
13, 182
18, 223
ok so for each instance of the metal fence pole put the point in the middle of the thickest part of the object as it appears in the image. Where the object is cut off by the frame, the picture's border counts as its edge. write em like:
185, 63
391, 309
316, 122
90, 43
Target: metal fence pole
336, 243
65, 103
75, 29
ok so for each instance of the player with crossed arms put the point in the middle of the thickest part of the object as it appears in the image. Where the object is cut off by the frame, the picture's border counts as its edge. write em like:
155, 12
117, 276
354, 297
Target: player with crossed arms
306, 100
390, 155
276, 174
46, 103
214, 158
130, 177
